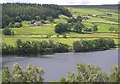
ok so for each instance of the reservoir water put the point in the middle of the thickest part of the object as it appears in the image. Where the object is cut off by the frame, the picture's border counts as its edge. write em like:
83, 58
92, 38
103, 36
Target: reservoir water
59, 64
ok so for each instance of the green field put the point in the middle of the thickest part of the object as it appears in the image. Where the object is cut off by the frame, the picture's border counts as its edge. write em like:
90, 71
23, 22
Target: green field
40, 33
46, 29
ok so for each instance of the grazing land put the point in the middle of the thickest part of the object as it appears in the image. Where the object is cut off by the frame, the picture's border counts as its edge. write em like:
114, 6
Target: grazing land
38, 30
102, 20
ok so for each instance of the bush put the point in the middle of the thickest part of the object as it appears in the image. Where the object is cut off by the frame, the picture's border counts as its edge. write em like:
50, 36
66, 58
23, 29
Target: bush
11, 25
17, 19
64, 36
18, 25
8, 31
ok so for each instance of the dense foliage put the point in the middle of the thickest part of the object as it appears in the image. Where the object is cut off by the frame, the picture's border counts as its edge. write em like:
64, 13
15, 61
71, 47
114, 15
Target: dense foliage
61, 28
17, 12
73, 25
91, 74
49, 47
93, 45
7, 31
30, 74
34, 47
85, 73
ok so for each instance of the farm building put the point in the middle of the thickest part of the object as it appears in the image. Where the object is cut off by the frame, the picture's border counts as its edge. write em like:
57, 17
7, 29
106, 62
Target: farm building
37, 23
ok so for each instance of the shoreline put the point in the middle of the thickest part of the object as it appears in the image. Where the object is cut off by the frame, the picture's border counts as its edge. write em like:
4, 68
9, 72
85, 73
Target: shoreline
34, 55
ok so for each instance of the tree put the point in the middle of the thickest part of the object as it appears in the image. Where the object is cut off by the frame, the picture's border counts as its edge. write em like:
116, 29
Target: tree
86, 30
79, 18
111, 29
37, 18
6, 20
18, 25
92, 74
28, 12
95, 28
30, 74
51, 19
78, 26
17, 19
60, 28
72, 20
11, 25
8, 31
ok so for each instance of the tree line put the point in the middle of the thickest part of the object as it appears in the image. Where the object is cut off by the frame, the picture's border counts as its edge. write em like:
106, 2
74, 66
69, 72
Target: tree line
17, 12
85, 73
34, 48
93, 45
50, 47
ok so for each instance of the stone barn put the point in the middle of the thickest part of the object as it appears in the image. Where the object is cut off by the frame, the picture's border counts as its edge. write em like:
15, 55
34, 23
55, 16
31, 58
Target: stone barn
37, 23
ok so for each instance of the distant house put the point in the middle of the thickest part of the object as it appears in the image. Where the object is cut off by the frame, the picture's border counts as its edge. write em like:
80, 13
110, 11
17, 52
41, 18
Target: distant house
37, 23
94, 15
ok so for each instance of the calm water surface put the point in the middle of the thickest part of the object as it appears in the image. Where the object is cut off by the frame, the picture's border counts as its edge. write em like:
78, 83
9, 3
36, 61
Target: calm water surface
59, 64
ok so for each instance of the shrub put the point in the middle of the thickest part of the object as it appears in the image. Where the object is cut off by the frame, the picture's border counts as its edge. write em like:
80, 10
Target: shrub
18, 25
8, 31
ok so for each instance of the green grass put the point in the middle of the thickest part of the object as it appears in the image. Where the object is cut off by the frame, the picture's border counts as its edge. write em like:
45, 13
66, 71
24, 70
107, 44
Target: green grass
84, 11
102, 27
69, 41
60, 21
46, 29
101, 20
39, 33
105, 27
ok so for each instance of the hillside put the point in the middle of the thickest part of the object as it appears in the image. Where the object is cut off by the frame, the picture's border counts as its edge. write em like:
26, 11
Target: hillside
98, 15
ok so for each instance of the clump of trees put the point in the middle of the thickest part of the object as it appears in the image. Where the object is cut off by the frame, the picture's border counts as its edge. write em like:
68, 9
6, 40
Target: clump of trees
91, 74
93, 45
49, 47
61, 28
18, 12
15, 24
73, 25
30, 74
85, 73
34, 47
7, 31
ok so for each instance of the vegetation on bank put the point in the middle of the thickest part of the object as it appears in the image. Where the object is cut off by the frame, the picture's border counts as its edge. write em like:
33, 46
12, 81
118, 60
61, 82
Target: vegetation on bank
34, 48
49, 47
70, 24
85, 73
93, 45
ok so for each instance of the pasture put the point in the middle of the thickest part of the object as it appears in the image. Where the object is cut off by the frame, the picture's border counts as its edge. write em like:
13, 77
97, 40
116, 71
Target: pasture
40, 33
